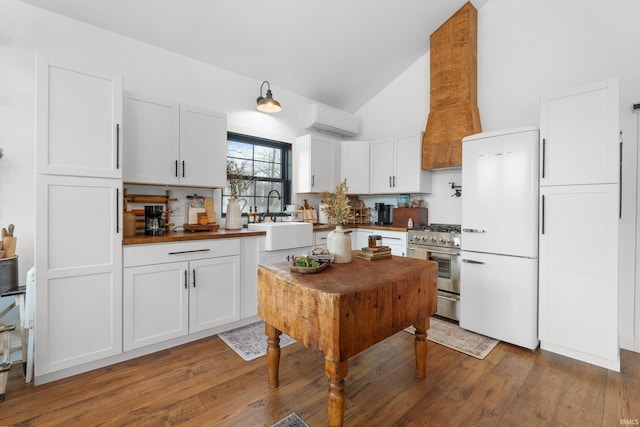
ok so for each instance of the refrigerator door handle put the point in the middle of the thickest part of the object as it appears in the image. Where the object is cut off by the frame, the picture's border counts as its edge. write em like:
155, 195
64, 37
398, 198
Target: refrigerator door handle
470, 261
473, 230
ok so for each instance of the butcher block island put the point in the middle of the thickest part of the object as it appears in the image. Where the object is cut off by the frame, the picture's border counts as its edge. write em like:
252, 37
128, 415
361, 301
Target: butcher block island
344, 310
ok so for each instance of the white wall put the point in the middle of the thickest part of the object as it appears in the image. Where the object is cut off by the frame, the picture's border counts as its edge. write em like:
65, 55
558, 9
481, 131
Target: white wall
26, 31
527, 48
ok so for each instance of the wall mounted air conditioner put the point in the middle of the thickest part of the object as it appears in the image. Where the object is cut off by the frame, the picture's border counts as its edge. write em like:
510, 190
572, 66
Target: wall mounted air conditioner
331, 120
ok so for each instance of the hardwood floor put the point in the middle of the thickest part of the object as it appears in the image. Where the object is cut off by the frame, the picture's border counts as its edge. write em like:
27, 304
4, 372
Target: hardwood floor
206, 384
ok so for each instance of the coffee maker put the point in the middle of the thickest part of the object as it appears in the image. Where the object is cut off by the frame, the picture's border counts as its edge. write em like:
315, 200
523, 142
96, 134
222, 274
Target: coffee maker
383, 214
153, 224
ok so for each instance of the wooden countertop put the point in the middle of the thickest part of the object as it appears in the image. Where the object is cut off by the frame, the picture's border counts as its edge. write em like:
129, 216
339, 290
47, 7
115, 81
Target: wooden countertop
329, 227
182, 236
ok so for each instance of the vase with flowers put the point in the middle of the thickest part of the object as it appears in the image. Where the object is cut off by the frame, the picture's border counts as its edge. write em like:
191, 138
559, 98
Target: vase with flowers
336, 207
238, 181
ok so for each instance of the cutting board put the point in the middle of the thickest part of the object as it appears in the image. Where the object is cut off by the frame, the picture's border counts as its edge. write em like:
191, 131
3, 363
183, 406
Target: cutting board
401, 216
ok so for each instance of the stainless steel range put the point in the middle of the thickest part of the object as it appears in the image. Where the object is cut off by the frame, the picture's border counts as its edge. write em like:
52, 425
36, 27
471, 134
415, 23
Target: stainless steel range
440, 243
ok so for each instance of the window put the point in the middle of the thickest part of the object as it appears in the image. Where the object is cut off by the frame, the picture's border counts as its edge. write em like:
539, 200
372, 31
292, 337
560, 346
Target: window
269, 163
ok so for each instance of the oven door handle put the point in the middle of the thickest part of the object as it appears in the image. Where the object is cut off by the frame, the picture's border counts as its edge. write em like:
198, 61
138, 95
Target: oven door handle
452, 254
448, 298
470, 261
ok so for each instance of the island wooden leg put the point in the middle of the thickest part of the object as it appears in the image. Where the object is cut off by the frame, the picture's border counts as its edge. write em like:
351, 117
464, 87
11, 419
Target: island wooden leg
273, 354
336, 373
420, 347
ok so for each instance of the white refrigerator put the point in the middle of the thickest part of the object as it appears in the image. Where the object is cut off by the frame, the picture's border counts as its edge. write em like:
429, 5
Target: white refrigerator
499, 243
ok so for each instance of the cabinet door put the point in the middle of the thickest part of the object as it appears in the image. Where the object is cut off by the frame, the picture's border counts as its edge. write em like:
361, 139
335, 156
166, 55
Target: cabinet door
579, 272
203, 147
354, 165
316, 164
214, 292
408, 174
579, 131
155, 304
274, 257
78, 271
78, 118
382, 166
323, 164
151, 155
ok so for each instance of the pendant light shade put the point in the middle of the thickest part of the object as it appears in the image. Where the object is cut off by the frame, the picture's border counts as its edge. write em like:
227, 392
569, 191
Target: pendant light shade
267, 104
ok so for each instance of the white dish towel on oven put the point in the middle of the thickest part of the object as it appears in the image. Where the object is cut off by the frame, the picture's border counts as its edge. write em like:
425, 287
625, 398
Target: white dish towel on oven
421, 253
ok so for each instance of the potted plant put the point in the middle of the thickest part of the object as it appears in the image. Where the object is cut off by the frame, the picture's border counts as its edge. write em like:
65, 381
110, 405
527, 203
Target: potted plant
336, 207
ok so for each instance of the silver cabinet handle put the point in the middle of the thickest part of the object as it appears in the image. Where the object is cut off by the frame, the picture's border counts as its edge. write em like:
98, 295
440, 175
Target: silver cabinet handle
470, 261
194, 277
474, 230
185, 279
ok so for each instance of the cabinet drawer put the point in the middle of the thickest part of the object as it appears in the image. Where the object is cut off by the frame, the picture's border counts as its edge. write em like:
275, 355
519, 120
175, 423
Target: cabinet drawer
388, 237
321, 238
157, 253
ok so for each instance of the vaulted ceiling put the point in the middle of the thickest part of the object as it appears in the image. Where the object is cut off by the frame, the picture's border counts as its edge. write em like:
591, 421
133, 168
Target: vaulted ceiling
338, 52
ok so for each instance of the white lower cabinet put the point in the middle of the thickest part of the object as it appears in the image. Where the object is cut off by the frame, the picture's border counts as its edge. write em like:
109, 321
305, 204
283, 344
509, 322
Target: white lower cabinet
165, 299
79, 272
285, 255
155, 304
396, 240
579, 273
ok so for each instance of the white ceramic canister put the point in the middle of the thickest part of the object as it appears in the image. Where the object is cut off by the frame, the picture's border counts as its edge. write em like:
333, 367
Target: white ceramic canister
339, 244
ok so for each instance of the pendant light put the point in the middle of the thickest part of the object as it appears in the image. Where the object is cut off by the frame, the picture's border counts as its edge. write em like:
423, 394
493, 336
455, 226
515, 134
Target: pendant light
267, 104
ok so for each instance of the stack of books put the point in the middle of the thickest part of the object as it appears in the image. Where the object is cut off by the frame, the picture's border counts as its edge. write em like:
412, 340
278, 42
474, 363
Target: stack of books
371, 254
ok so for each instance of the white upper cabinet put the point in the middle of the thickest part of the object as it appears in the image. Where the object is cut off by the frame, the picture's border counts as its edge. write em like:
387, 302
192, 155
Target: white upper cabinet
354, 166
152, 128
78, 118
173, 144
395, 166
203, 147
316, 164
579, 136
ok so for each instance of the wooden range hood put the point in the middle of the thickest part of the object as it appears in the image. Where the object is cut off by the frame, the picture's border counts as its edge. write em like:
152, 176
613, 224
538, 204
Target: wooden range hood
454, 94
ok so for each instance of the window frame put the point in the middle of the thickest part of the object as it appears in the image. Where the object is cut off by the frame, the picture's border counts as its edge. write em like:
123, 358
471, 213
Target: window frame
285, 172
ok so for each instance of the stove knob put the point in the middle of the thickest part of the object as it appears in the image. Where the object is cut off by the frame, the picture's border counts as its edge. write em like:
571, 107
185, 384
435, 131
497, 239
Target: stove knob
424, 238
449, 241
441, 240
433, 239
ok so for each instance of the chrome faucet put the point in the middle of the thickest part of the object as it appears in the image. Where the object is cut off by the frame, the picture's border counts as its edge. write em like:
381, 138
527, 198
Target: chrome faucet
268, 198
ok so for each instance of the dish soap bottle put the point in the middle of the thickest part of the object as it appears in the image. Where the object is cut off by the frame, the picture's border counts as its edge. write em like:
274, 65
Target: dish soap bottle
410, 223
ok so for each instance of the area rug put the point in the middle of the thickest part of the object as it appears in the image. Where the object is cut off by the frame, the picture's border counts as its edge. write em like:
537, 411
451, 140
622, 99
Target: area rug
292, 420
452, 336
250, 342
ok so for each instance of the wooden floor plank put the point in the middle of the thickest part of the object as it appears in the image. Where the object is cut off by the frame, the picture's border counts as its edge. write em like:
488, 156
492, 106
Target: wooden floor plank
206, 384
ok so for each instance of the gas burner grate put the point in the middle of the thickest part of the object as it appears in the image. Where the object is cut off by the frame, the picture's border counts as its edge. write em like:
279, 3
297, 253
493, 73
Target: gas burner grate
442, 228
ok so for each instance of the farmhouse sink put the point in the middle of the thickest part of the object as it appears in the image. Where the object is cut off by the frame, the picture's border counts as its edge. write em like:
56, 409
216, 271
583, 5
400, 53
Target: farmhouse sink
285, 235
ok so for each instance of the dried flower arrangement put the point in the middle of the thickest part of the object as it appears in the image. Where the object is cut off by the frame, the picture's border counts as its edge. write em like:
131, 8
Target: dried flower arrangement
336, 205
237, 178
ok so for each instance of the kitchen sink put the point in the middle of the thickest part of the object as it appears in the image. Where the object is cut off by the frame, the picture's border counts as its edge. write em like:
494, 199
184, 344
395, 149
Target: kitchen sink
285, 235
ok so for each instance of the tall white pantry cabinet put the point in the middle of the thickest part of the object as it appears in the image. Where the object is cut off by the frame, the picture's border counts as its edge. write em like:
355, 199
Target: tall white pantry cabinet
78, 215
579, 190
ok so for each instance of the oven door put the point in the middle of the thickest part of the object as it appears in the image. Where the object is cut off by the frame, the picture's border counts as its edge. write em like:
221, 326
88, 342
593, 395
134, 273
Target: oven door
448, 265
